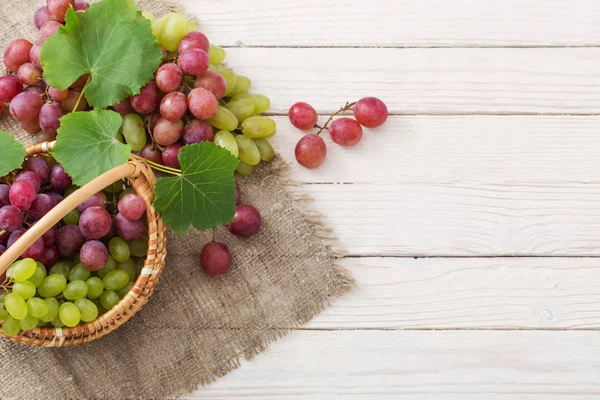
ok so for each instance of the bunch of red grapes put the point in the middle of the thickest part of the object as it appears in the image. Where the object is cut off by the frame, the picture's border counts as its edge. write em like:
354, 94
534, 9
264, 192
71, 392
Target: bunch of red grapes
311, 150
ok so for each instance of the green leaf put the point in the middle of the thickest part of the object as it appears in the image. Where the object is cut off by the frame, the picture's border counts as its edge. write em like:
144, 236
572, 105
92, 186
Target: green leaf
204, 194
13, 153
86, 144
112, 42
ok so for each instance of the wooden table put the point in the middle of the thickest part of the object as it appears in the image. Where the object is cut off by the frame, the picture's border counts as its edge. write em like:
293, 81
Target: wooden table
471, 219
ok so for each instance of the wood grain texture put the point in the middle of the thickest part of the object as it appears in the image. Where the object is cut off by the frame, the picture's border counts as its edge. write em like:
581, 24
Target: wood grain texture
424, 365
399, 22
473, 293
450, 149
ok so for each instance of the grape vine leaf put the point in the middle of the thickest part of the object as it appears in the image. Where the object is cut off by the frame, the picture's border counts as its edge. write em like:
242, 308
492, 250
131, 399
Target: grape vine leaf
86, 144
13, 153
112, 42
204, 194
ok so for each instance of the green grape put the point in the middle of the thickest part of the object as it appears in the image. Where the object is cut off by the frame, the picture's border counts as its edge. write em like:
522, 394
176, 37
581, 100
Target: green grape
129, 267
134, 131
15, 305
53, 285
123, 292
242, 85
23, 269
190, 26
9, 272
127, 191
37, 307
139, 247
11, 326
24, 289
261, 103
57, 323
70, 190
111, 265
119, 249
265, 149
79, 273
28, 323
173, 31
76, 290
120, 137
88, 310
53, 307
230, 78
257, 127
226, 140
3, 313
72, 218
116, 280
149, 16
116, 187
139, 265
62, 267
109, 299
39, 275
248, 152
158, 25
69, 314
242, 108
224, 120
95, 287
244, 169
216, 54
42, 324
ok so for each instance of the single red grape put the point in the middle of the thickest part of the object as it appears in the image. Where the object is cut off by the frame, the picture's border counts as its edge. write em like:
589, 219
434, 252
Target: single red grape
215, 259
345, 132
311, 151
17, 54
246, 222
370, 112
303, 116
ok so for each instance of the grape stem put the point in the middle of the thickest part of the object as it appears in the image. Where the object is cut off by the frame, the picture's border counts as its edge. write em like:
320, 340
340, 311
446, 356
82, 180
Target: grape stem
163, 168
82, 93
346, 107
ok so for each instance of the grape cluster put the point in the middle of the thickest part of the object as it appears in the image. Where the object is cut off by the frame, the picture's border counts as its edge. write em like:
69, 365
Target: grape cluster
78, 269
311, 150
35, 105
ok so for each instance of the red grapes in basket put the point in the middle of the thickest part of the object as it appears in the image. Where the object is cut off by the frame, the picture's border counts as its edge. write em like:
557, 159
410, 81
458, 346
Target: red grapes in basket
311, 150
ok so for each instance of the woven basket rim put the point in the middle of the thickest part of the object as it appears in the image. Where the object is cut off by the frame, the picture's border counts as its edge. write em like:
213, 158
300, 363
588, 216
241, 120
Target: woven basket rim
137, 296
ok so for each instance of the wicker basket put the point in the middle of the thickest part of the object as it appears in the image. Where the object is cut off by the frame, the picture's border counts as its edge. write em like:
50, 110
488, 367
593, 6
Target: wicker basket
142, 179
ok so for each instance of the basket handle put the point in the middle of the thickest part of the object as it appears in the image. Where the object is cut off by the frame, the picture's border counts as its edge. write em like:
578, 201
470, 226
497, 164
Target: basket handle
130, 169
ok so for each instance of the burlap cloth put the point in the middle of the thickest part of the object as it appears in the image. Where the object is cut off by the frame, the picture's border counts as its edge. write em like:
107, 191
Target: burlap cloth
194, 329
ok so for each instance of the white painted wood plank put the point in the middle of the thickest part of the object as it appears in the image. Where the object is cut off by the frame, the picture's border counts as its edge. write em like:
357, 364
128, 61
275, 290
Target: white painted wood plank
464, 218
399, 22
436, 365
480, 293
446, 149
425, 81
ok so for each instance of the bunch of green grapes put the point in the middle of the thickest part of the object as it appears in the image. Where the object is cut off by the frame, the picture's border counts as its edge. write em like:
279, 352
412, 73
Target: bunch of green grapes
195, 98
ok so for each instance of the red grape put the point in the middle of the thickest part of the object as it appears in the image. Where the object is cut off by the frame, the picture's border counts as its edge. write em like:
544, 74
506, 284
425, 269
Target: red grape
57, 197
34, 251
11, 218
26, 106
80, 82
97, 200
311, 151
124, 107
194, 40
58, 94
49, 257
193, 62
198, 131
50, 236
34, 55
202, 103
152, 153
167, 132
69, 240
345, 132
215, 259
16, 235
4, 199
17, 54
170, 156
132, 206
39, 166
29, 74
41, 136
246, 222
40, 17
168, 78
94, 223
81, 5
147, 100
49, 117
128, 229
32, 127
173, 106
370, 112
69, 103
40, 207
10, 86
22, 194
48, 29
31, 177
303, 116
94, 255
59, 178
213, 82
58, 9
